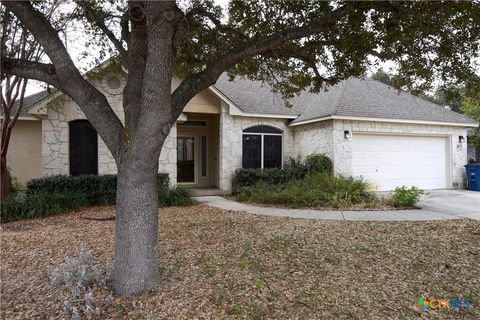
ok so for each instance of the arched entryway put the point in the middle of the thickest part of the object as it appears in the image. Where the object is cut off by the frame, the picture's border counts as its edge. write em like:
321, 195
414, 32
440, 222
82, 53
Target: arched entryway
83, 148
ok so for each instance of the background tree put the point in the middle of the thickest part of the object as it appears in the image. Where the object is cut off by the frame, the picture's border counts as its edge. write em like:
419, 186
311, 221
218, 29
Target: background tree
470, 106
16, 42
292, 45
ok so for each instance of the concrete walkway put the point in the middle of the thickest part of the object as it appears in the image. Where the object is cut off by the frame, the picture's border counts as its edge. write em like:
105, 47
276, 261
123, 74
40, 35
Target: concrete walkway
397, 215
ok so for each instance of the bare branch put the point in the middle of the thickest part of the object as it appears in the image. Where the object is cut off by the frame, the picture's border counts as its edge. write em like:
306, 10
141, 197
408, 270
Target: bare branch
69, 80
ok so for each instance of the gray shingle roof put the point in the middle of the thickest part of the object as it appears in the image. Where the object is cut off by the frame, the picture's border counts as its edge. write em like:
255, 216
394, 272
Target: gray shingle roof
353, 97
254, 97
373, 99
28, 101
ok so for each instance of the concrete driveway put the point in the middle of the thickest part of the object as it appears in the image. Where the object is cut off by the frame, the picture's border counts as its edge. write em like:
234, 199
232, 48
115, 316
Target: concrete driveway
459, 203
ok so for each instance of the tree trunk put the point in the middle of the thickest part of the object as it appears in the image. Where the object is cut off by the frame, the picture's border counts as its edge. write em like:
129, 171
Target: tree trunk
136, 234
5, 190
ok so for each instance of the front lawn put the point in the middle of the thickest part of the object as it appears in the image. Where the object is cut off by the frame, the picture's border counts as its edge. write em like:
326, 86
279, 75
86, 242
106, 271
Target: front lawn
218, 264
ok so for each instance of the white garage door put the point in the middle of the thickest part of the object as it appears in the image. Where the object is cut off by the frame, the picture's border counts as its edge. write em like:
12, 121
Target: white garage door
391, 161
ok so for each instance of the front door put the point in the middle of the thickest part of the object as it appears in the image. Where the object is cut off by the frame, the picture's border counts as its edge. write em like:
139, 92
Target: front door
186, 159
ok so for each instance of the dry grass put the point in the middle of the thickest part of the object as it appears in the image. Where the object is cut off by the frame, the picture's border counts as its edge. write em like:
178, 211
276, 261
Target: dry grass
218, 264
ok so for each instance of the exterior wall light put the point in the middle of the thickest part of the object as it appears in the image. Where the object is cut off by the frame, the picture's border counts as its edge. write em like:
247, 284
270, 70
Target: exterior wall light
347, 135
461, 139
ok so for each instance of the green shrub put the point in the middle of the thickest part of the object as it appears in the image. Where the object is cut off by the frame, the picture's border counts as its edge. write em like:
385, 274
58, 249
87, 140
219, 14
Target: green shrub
404, 197
14, 186
96, 189
39, 205
292, 170
319, 163
177, 196
318, 189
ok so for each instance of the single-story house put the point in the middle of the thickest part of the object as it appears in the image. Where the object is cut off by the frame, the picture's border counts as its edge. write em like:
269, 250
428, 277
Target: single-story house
367, 128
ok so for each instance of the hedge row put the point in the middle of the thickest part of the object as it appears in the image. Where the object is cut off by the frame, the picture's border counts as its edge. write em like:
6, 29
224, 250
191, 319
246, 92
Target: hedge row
96, 189
293, 170
59, 194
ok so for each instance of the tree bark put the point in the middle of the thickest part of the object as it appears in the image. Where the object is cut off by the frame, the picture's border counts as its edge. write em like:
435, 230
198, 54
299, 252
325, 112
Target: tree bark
4, 178
148, 107
136, 234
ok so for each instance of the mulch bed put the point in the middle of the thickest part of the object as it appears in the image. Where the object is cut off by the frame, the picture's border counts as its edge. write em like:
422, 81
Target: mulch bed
224, 265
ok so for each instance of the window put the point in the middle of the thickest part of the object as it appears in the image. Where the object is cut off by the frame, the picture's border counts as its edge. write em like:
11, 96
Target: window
262, 147
83, 148
193, 123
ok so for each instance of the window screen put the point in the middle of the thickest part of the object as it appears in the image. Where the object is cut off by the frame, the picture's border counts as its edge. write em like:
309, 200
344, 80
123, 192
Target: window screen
272, 151
252, 151
83, 148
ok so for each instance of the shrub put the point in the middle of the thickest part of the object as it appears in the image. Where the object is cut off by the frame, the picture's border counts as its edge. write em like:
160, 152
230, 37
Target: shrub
177, 196
81, 275
292, 170
39, 205
318, 189
14, 186
96, 189
404, 197
318, 163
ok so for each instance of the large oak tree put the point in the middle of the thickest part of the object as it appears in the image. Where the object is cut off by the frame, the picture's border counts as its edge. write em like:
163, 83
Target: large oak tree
292, 45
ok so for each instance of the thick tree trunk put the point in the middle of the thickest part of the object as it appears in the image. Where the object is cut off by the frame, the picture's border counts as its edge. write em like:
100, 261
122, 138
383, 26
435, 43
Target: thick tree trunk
136, 235
148, 121
5, 190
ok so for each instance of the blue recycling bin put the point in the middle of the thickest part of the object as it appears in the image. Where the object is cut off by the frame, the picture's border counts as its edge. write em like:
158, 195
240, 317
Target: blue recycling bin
473, 176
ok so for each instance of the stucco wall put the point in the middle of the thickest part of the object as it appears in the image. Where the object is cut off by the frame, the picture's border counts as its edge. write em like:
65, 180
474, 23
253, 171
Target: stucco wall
342, 157
231, 128
313, 139
55, 131
24, 156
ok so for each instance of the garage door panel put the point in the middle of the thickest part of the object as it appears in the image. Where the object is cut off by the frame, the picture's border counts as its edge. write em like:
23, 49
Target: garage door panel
390, 161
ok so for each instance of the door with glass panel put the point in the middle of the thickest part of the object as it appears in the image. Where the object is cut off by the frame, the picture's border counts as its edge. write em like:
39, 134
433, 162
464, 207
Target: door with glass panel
186, 159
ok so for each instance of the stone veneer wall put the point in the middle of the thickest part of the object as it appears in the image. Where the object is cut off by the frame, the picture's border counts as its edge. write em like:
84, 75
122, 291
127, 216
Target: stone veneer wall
55, 131
342, 157
231, 128
314, 138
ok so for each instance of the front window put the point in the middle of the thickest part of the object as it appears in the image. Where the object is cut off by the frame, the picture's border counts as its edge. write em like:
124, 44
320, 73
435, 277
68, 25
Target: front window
262, 147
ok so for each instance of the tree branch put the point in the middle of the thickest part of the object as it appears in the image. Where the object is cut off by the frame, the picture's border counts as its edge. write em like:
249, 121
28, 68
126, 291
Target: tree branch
30, 70
92, 16
202, 80
91, 101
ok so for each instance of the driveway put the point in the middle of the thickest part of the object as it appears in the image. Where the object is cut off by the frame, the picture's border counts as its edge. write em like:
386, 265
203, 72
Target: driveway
459, 203
435, 205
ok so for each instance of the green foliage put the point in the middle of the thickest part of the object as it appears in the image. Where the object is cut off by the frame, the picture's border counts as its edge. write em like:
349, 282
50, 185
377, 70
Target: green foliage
316, 190
318, 163
39, 205
59, 194
471, 108
14, 186
404, 197
96, 189
292, 170
177, 196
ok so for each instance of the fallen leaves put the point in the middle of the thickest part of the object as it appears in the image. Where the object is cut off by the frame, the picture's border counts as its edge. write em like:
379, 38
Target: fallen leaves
218, 264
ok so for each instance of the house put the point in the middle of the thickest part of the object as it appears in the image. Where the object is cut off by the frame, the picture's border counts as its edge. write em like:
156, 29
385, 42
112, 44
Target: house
367, 128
